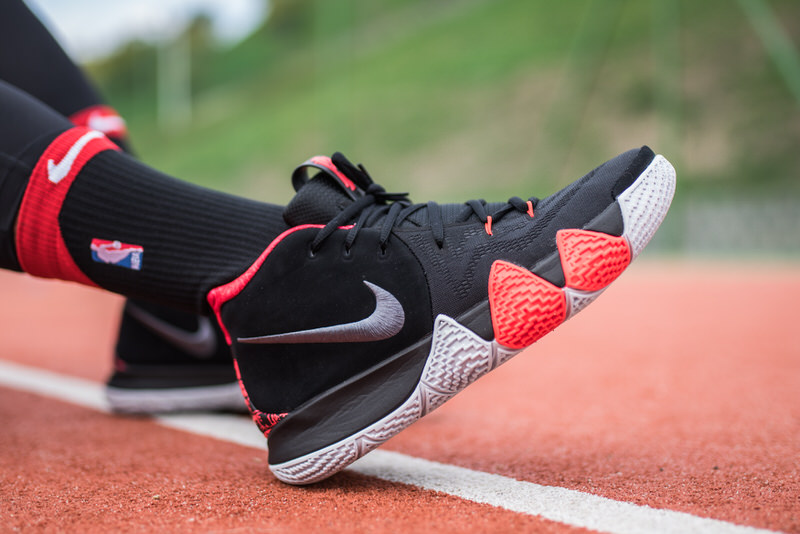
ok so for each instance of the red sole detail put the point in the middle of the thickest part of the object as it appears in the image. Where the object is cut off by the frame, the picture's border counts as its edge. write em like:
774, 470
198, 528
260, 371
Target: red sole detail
591, 260
524, 307
265, 421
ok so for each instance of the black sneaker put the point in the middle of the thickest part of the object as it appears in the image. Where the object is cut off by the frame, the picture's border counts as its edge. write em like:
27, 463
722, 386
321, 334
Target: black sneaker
372, 311
168, 361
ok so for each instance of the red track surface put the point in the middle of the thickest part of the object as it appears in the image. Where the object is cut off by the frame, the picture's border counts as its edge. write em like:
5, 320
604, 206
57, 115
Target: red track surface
679, 388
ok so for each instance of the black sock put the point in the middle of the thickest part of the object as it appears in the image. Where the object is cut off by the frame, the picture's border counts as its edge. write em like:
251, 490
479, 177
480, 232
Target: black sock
193, 238
105, 219
116, 223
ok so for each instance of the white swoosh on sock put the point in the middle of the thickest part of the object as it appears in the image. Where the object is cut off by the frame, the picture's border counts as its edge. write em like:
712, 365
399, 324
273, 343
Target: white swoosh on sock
58, 171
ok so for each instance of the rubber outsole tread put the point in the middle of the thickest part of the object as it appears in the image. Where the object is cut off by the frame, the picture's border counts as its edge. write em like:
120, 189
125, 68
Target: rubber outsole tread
524, 307
459, 358
591, 260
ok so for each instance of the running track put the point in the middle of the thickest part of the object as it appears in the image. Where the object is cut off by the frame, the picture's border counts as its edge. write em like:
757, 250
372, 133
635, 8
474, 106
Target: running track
677, 391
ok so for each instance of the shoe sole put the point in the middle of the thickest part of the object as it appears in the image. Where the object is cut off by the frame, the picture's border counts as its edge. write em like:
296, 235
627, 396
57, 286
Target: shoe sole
524, 307
217, 398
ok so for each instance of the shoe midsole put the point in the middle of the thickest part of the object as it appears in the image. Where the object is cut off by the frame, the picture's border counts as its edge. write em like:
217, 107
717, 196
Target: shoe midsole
350, 406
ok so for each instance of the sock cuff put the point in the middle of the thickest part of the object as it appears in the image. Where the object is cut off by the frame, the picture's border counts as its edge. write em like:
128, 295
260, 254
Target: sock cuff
40, 244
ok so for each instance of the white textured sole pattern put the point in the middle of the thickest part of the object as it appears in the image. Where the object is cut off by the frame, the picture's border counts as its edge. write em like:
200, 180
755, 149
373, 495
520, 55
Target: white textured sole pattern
458, 356
645, 203
224, 397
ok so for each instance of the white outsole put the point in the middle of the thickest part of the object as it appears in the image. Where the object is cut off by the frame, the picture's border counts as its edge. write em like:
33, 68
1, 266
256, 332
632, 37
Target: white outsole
224, 397
458, 356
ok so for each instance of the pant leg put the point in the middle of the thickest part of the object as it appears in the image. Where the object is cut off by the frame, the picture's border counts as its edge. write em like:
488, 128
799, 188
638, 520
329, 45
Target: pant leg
26, 127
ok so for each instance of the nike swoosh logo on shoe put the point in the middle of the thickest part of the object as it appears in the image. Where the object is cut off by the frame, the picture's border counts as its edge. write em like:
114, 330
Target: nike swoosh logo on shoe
201, 343
58, 171
384, 322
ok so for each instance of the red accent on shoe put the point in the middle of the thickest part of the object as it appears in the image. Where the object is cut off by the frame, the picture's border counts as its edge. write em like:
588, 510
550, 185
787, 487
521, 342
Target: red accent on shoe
40, 245
524, 307
488, 224
591, 260
530, 208
326, 162
101, 118
264, 421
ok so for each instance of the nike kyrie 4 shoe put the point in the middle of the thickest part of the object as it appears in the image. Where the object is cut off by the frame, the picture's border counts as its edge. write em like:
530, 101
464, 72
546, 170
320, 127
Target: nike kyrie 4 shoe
371, 311
167, 361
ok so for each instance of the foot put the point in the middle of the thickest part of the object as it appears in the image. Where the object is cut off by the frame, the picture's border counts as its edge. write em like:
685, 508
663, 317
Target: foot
169, 361
370, 312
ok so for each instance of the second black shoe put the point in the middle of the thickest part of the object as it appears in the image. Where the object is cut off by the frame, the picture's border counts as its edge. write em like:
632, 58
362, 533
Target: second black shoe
372, 311
167, 361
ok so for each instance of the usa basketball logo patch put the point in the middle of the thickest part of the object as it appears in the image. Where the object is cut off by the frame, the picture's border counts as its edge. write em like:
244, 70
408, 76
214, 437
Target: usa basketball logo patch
117, 253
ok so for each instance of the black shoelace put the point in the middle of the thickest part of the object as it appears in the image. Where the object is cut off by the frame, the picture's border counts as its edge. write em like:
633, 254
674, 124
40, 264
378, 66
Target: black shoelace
394, 208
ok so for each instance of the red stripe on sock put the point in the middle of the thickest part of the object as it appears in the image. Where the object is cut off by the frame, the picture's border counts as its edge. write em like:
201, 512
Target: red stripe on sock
103, 119
40, 245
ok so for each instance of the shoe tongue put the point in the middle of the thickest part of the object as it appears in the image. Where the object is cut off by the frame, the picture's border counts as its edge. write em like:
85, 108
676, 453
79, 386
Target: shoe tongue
317, 202
320, 198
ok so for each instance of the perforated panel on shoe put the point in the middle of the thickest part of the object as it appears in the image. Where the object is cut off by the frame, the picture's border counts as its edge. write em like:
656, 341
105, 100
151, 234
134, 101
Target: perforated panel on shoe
524, 307
591, 260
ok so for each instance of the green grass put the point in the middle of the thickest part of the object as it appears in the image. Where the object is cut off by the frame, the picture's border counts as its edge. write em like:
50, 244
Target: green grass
484, 98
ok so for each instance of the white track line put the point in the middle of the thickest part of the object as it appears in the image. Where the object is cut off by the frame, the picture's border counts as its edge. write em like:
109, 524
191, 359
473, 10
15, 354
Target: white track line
566, 506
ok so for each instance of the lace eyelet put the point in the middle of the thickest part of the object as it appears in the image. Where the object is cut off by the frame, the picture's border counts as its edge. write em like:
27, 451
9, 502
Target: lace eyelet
311, 253
382, 252
347, 252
